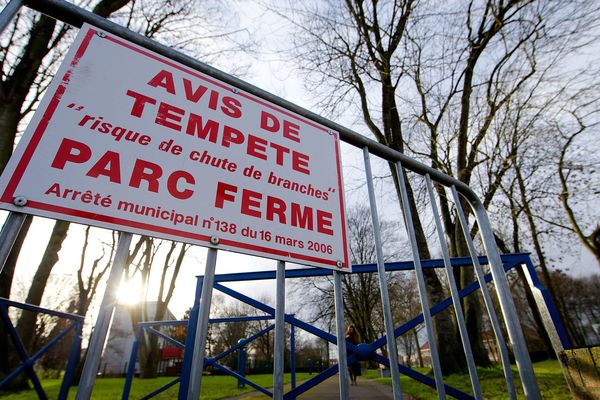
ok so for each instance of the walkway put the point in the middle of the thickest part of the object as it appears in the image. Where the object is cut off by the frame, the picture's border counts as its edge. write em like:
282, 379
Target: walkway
329, 390
366, 389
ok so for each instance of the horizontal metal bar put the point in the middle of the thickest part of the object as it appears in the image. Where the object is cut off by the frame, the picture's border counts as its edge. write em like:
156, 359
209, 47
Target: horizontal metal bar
165, 337
363, 268
177, 322
243, 343
29, 307
184, 322
241, 319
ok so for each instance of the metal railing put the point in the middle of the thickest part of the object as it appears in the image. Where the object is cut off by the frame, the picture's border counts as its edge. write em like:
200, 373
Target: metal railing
76, 16
28, 361
366, 351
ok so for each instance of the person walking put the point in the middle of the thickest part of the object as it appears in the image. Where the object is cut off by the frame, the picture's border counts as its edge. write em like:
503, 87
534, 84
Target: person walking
354, 368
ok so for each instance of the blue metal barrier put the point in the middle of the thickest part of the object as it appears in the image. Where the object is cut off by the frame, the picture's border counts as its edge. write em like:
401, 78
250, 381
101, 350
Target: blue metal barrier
212, 361
362, 351
27, 362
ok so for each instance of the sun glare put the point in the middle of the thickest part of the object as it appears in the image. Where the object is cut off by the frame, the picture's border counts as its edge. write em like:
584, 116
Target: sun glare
129, 292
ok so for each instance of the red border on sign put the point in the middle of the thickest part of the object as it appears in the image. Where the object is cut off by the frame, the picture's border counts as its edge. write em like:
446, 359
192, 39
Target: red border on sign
43, 124
8, 195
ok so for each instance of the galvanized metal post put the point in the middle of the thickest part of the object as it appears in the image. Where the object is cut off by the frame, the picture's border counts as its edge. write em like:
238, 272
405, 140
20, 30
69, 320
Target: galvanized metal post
94, 352
550, 318
340, 333
278, 364
197, 365
486, 297
131, 364
9, 12
72, 363
383, 288
8, 236
511, 319
184, 383
460, 318
293, 354
408, 220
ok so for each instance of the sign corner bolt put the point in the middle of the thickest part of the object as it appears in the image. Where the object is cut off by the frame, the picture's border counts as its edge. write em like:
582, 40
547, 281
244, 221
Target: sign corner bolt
20, 201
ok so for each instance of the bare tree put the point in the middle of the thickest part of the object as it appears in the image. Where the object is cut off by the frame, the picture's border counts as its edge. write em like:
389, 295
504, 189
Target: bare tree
362, 301
405, 306
30, 55
451, 84
567, 171
169, 271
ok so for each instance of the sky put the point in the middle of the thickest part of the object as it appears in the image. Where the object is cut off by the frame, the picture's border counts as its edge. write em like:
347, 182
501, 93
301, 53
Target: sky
268, 72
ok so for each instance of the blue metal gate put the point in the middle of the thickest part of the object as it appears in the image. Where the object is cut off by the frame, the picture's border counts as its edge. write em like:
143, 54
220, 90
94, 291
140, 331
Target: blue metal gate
27, 361
363, 351
460, 194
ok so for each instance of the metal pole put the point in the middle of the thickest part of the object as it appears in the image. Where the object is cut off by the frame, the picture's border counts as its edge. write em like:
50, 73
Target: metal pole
92, 360
385, 297
184, 383
9, 12
202, 325
279, 332
551, 320
486, 297
511, 319
293, 354
408, 220
8, 235
340, 332
72, 363
460, 318
131, 365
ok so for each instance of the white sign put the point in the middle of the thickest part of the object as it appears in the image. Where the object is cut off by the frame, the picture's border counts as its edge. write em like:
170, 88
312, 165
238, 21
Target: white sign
127, 139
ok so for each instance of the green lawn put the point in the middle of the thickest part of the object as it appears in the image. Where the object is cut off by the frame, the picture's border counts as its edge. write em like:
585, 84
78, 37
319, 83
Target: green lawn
213, 387
550, 379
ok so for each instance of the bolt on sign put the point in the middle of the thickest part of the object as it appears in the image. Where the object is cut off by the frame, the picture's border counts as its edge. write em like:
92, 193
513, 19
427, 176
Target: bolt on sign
130, 140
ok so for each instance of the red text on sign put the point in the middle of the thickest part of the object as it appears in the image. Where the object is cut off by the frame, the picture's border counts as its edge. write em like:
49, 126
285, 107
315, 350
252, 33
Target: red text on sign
229, 106
274, 209
108, 165
180, 120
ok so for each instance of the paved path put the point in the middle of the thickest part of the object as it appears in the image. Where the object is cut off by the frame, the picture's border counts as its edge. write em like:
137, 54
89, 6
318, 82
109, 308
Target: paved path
329, 390
366, 389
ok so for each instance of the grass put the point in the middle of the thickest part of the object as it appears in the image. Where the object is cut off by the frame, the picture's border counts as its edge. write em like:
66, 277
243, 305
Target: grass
213, 388
550, 380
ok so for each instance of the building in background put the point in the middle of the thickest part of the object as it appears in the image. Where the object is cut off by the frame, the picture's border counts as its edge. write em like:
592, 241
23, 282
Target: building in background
115, 357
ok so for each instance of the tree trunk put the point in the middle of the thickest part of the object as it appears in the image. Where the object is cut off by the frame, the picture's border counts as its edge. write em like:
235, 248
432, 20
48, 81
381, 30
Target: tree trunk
5, 287
27, 322
449, 348
418, 346
149, 357
472, 305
